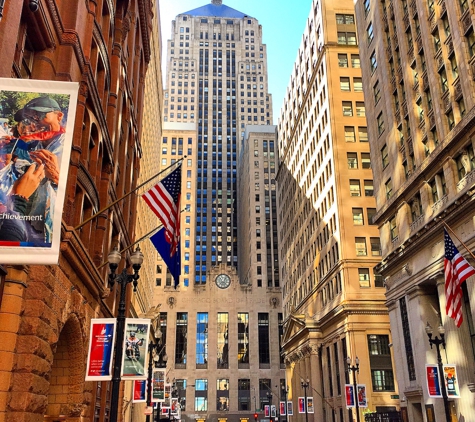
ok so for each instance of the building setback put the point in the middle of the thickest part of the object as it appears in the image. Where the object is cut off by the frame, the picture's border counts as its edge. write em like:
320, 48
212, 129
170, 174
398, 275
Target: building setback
333, 301
221, 326
417, 62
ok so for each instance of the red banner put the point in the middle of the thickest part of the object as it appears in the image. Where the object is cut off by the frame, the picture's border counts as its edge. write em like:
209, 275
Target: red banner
101, 345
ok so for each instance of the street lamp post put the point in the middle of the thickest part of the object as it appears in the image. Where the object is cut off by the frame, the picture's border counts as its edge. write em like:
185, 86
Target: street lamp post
285, 390
438, 342
269, 399
305, 385
122, 279
355, 369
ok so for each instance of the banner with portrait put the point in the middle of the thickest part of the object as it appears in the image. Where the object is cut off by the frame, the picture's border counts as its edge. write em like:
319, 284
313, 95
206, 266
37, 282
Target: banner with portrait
301, 402
101, 346
282, 409
290, 408
135, 347
451, 381
167, 402
273, 411
362, 399
140, 391
158, 385
36, 132
174, 406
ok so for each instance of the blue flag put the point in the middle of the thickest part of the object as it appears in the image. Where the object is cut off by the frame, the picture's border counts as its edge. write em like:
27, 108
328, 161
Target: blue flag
171, 257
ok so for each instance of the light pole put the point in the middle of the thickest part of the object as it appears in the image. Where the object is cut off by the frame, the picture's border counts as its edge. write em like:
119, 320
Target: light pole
269, 399
355, 369
438, 342
305, 385
285, 390
152, 361
122, 279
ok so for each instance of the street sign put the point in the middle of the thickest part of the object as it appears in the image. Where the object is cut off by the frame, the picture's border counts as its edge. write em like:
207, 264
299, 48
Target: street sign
395, 396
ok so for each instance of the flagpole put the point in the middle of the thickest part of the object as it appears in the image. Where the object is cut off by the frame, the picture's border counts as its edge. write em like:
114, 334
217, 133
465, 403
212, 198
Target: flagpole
126, 195
463, 244
137, 241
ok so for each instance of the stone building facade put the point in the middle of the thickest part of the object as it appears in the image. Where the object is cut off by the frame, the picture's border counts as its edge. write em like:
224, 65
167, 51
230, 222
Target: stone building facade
418, 72
334, 304
45, 311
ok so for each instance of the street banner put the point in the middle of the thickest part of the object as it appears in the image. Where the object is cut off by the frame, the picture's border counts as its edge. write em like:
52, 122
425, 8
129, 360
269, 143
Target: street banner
282, 409
174, 406
101, 345
433, 381
290, 408
168, 396
301, 401
310, 408
451, 383
349, 396
158, 386
37, 124
135, 356
362, 399
266, 411
140, 391
273, 411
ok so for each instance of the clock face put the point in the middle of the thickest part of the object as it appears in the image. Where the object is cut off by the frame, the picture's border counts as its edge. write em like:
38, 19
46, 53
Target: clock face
223, 281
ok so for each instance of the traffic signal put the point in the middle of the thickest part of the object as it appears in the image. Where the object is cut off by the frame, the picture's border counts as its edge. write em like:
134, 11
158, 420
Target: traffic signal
255, 417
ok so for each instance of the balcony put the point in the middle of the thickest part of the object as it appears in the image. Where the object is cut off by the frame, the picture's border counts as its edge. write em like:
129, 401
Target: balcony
417, 222
466, 21
440, 204
466, 181
458, 94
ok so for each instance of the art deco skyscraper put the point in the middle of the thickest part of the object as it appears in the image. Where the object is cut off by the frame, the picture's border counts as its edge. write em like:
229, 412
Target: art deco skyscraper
221, 328
418, 70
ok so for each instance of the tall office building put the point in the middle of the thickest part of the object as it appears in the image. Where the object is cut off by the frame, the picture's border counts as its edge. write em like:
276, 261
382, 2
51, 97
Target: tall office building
221, 327
334, 304
418, 67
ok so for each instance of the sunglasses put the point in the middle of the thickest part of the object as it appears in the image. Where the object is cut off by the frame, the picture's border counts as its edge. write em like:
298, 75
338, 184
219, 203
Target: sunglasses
34, 117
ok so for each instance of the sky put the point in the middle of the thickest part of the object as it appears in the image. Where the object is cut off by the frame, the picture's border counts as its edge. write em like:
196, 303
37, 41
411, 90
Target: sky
283, 23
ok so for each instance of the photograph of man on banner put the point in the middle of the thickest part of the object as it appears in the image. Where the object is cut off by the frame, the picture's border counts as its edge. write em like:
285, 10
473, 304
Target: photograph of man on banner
135, 356
158, 385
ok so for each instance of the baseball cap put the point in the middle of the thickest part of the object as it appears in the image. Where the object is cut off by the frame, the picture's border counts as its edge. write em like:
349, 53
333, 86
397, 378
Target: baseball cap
41, 104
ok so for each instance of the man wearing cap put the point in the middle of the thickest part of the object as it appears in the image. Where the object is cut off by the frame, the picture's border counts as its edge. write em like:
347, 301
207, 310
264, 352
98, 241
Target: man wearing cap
40, 140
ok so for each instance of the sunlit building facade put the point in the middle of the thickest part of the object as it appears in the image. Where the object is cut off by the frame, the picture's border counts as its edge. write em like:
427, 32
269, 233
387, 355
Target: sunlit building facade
418, 71
334, 303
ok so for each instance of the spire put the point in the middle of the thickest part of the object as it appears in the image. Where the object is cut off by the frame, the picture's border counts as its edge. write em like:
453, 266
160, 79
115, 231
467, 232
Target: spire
217, 2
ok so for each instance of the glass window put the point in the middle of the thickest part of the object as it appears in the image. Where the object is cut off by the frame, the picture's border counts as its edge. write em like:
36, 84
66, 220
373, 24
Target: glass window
360, 245
370, 212
363, 276
375, 246
389, 188
384, 156
357, 84
363, 133
383, 379
345, 84
222, 332
350, 134
244, 394
342, 60
222, 394
263, 338
368, 188
376, 92
373, 62
355, 189
202, 338
352, 159
360, 109
347, 108
393, 228
181, 335
243, 338
358, 219
201, 395
365, 160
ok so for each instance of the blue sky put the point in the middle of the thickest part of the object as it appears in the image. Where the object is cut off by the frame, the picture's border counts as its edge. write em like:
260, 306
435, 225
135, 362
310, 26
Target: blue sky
282, 41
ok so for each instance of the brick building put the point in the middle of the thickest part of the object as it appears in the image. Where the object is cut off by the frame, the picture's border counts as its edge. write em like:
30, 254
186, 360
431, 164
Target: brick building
45, 310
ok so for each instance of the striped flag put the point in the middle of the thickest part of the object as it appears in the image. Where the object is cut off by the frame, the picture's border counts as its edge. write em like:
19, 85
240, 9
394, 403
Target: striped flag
457, 270
164, 200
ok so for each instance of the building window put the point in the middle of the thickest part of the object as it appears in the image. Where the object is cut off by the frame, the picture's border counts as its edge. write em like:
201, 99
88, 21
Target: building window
393, 230
243, 338
347, 108
384, 156
347, 38
350, 134
380, 363
375, 246
363, 276
373, 62
368, 188
202, 338
366, 7
352, 159
345, 84
463, 6
377, 95
365, 160
201, 395
363, 133
357, 84
223, 350
355, 61
369, 33
406, 330
342, 60
360, 245
358, 219
471, 42
355, 189
263, 338
244, 394
181, 335
380, 122
222, 394
360, 109
389, 189
370, 213
345, 19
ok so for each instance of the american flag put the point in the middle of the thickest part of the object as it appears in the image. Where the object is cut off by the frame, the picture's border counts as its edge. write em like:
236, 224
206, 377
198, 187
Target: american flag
457, 270
164, 200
